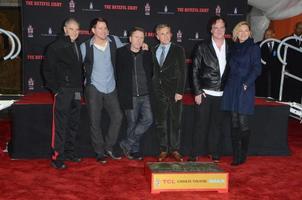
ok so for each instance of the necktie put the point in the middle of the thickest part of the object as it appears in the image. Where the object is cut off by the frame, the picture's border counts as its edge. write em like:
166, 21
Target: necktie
162, 56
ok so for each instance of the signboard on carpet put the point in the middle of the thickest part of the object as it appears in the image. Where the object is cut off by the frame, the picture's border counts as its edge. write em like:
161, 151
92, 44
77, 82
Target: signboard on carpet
189, 176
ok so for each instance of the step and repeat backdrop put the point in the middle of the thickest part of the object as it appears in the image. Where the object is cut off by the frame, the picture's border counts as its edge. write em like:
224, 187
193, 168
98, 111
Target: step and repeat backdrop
42, 23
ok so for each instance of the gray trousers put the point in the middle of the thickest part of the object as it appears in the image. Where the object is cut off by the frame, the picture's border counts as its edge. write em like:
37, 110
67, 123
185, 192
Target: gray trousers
96, 101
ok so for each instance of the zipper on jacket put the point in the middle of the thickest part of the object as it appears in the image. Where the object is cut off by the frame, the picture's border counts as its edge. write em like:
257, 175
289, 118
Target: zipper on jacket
135, 76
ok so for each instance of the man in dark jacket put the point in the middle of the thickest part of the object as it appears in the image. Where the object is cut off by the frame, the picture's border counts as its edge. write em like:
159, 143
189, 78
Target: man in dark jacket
134, 72
169, 83
292, 89
63, 76
268, 83
209, 71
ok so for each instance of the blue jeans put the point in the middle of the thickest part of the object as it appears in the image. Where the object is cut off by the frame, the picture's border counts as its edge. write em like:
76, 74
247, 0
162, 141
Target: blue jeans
139, 119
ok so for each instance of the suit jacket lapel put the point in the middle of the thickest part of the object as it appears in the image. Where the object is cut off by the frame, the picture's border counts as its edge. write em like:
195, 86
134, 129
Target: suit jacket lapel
156, 61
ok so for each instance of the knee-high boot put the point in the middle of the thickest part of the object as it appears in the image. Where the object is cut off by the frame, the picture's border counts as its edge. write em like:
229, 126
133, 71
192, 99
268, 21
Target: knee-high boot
236, 146
245, 139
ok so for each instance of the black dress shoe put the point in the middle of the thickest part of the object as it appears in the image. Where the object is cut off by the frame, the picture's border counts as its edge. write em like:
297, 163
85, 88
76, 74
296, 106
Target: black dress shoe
111, 155
215, 159
101, 159
235, 163
192, 159
136, 156
73, 158
58, 164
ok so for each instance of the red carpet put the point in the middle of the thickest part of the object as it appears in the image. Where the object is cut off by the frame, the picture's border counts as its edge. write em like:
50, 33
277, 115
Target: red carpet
261, 178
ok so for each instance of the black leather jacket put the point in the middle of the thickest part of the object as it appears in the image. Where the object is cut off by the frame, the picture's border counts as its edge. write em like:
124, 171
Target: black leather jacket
206, 73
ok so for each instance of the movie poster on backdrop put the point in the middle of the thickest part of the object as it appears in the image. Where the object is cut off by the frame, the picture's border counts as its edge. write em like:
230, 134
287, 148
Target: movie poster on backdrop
42, 23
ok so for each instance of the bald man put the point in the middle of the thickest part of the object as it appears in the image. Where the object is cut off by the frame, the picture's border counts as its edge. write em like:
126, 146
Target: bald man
62, 69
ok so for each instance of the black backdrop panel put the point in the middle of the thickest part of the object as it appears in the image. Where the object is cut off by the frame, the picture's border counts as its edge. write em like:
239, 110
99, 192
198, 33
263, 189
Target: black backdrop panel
31, 136
42, 22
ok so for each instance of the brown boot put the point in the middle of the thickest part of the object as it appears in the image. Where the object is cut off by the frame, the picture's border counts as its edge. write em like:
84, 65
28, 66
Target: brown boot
162, 156
177, 156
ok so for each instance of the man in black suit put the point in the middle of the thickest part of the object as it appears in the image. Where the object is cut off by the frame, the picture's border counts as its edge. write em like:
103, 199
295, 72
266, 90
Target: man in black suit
268, 84
292, 87
134, 72
169, 83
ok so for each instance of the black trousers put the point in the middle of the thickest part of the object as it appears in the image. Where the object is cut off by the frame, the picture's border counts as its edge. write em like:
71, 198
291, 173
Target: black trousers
168, 114
264, 82
96, 101
65, 124
208, 127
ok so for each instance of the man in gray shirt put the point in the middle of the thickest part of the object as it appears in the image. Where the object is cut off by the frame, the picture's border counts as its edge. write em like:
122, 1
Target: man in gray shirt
100, 87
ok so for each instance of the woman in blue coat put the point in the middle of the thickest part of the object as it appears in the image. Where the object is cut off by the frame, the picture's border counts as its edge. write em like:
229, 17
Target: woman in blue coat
239, 91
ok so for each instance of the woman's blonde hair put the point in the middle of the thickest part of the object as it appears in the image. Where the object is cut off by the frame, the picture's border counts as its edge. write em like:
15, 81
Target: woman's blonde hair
236, 29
